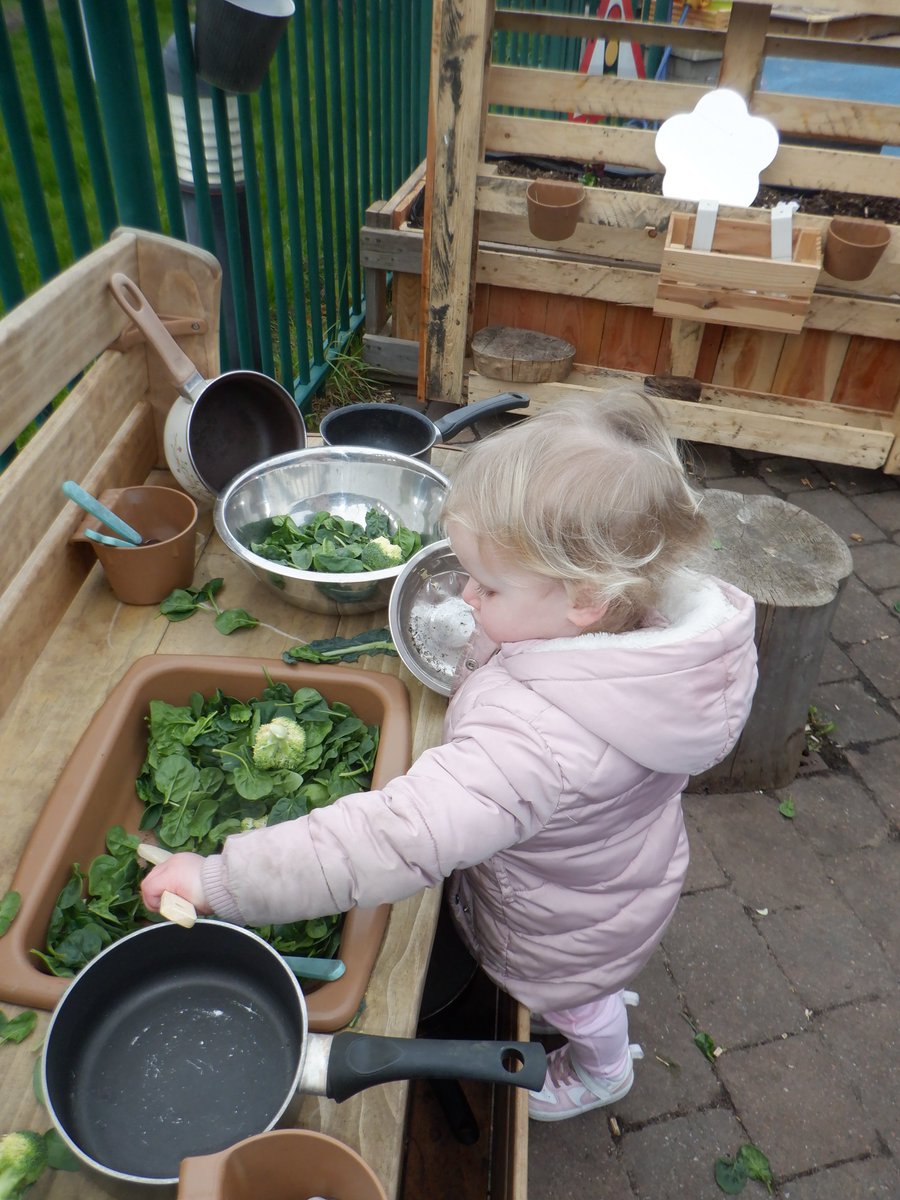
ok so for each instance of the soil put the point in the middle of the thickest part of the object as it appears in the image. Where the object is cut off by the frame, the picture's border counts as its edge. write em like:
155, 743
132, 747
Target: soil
820, 203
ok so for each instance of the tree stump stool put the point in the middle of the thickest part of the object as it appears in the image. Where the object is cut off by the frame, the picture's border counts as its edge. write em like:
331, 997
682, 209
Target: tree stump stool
794, 566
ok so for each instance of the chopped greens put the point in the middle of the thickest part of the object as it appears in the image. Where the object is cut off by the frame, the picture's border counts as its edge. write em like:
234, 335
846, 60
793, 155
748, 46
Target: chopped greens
336, 546
200, 782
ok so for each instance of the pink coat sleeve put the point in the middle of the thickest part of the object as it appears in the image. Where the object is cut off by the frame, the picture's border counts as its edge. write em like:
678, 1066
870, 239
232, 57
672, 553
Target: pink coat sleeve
459, 804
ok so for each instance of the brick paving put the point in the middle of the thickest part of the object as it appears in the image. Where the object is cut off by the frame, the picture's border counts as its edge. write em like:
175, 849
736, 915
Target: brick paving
786, 946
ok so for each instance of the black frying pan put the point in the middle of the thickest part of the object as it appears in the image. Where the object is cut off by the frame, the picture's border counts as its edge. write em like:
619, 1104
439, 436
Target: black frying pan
405, 430
175, 1042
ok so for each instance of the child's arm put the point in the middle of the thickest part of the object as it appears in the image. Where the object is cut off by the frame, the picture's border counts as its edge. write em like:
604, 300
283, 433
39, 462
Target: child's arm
459, 804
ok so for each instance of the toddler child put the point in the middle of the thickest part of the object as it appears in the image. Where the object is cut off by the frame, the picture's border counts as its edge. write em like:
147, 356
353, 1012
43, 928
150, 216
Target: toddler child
603, 672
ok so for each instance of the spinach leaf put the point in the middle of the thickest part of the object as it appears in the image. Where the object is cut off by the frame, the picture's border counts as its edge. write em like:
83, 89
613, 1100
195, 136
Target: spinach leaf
332, 544
9, 907
338, 649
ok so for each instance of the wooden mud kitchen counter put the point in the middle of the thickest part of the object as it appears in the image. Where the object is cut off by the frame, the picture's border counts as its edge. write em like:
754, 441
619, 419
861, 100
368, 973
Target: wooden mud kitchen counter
65, 641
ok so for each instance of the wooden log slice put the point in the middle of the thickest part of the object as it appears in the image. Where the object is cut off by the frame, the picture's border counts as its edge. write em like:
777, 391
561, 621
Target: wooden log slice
794, 566
521, 355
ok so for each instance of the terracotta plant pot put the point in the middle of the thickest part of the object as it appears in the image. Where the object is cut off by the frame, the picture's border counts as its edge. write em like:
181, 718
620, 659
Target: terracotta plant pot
853, 247
235, 40
282, 1165
553, 208
166, 518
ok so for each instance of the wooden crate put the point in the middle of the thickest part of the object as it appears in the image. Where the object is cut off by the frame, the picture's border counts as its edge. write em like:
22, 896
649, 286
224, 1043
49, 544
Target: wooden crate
476, 263
737, 282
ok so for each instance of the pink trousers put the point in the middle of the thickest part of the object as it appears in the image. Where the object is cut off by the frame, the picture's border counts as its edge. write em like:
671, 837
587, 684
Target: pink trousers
597, 1034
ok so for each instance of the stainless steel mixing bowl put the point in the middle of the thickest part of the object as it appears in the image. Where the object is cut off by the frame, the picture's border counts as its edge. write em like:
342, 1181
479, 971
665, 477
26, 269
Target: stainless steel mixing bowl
342, 480
430, 622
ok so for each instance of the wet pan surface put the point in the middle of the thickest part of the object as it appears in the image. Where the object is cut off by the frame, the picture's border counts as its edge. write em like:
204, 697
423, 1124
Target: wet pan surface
180, 1058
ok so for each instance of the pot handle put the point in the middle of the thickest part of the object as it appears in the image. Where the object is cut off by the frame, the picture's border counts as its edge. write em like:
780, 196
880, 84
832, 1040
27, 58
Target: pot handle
201, 1178
468, 414
360, 1060
184, 373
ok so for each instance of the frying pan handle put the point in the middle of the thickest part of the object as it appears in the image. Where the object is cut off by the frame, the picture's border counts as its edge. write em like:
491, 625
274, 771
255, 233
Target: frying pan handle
184, 373
468, 414
359, 1060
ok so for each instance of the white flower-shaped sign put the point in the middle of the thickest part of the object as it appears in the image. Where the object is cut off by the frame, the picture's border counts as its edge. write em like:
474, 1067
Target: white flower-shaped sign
717, 151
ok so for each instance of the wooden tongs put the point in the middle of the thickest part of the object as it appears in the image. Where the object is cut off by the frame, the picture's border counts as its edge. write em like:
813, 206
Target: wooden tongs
171, 906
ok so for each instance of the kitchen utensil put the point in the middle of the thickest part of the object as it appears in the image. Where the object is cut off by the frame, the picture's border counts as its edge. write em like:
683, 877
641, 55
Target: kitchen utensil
180, 1042
217, 427
93, 506
165, 521
343, 480
105, 540
287, 1164
406, 430
182, 912
430, 622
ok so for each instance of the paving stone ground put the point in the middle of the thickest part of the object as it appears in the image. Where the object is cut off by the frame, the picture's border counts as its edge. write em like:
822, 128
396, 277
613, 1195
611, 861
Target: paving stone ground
786, 946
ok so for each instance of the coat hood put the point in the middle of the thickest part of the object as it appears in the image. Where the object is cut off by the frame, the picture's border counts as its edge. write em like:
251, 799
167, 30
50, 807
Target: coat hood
673, 696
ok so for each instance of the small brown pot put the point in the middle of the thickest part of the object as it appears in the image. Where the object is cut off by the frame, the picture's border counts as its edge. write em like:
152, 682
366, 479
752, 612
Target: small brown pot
282, 1165
146, 574
853, 247
553, 208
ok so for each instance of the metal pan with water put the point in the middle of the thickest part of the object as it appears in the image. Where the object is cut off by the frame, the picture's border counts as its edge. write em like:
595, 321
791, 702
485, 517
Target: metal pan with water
175, 1042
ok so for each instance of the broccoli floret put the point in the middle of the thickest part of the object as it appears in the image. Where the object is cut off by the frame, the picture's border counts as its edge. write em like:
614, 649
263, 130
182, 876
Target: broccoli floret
23, 1157
279, 745
381, 553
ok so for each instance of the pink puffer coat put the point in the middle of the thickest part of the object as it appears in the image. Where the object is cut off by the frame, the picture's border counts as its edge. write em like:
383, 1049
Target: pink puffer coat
554, 802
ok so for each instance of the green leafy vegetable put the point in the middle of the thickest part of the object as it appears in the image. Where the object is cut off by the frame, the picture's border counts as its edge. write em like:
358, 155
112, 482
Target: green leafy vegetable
339, 649
9, 907
705, 1045
335, 545
203, 780
184, 602
786, 808
16, 1029
749, 1163
59, 1156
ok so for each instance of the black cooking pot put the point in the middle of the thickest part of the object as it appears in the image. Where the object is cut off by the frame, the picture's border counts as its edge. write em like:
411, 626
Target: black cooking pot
406, 430
175, 1042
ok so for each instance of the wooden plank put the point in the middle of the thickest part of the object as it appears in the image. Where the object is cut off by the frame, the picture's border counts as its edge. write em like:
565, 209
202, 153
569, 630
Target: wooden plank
579, 322
745, 47
870, 375
395, 358
685, 339
631, 338
392, 250
69, 445
520, 307
794, 166
609, 95
635, 286
47, 339
748, 359
461, 46
809, 365
406, 305
785, 432
54, 570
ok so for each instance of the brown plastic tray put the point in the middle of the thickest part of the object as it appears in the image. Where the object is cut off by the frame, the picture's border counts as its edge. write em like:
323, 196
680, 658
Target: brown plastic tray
96, 791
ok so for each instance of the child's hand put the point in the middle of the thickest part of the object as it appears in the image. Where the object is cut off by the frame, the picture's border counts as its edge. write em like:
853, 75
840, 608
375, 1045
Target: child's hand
179, 874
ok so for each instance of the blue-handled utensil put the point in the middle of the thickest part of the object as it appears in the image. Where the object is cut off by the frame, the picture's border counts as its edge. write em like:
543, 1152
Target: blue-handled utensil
93, 506
315, 968
106, 540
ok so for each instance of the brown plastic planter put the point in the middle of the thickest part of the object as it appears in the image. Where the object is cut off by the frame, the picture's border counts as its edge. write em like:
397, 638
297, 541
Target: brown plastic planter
96, 791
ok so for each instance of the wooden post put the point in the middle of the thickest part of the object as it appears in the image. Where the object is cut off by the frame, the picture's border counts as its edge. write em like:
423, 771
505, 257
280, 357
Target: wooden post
794, 566
460, 57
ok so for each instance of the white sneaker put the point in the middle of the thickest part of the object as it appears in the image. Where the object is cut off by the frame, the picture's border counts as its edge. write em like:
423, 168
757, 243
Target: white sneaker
568, 1091
542, 1028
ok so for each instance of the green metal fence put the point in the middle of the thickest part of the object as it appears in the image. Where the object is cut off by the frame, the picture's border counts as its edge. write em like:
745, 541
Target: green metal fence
105, 123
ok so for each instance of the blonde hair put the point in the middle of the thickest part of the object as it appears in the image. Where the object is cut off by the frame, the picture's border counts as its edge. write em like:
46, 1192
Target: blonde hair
591, 493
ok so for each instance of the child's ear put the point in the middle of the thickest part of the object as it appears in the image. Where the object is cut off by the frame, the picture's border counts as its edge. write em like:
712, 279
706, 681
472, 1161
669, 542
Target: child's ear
586, 616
